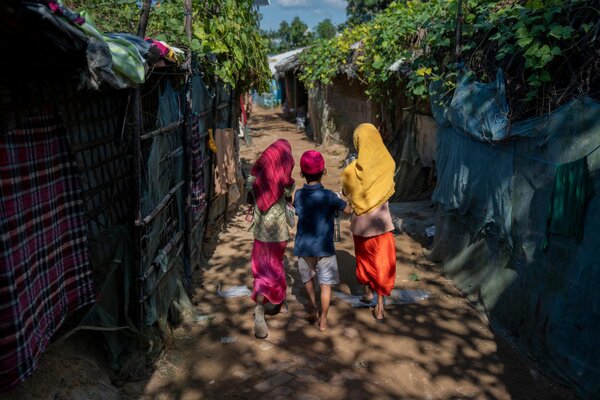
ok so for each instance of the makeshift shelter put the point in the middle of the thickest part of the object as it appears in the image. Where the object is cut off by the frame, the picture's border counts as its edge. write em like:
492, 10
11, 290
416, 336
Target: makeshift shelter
294, 94
276, 94
107, 185
518, 223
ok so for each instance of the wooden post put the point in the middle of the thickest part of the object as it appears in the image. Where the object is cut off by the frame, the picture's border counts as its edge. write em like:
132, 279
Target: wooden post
141, 32
187, 143
136, 171
188, 19
458, 44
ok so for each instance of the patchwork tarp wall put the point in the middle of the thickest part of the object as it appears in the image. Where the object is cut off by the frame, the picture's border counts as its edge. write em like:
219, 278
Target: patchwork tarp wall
518, 225
70, 232
92, 130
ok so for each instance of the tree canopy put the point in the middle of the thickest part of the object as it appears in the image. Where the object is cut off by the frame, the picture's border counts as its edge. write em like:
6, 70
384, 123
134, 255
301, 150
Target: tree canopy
289, 36
326, 29
359, 11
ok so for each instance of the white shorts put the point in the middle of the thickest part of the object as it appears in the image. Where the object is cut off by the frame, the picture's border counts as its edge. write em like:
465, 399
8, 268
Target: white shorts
326, 269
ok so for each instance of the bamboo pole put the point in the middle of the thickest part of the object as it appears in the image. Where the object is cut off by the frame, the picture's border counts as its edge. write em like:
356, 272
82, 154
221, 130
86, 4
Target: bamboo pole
187, 142
141, 32
136, 170
458, 43
160, 131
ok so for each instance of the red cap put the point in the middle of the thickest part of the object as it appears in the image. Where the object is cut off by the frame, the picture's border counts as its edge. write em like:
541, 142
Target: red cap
312, 162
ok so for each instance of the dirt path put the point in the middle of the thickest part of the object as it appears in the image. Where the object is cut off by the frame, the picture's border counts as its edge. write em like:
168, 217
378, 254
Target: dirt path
439, 348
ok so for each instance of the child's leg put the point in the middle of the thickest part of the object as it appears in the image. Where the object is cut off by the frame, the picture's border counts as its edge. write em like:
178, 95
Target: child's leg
368, 293
260, 299
378, 310
306, 268
310, 292
260, 325
325, 299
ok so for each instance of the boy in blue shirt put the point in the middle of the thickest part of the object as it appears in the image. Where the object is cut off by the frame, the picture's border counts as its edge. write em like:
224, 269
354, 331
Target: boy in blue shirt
316, 208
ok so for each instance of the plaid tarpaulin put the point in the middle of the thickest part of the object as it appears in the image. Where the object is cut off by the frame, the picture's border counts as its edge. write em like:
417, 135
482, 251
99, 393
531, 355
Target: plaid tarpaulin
44, 263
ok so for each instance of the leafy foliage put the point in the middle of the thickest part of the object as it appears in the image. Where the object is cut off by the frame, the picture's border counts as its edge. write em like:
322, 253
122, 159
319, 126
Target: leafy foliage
360, 11
546, 48
229, 29
325, 29
225, 38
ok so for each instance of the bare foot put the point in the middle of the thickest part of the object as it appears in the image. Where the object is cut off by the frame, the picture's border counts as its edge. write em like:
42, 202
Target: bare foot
283, 309
378, 313
368, 296
323, 327
312, 316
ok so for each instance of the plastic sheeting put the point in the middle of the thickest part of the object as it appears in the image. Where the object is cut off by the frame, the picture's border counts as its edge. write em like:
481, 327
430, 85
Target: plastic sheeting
493, 210
468, 187
480, 109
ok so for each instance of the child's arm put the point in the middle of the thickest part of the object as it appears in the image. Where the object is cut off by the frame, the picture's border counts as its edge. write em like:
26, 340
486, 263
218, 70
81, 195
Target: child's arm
289, 191
343, 205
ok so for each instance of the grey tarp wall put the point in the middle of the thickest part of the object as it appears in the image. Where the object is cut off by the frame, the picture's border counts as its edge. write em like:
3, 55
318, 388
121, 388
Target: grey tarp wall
495, 183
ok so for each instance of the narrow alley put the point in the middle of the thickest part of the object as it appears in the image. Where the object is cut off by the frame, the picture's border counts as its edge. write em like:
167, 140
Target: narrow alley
439, 348
467, 138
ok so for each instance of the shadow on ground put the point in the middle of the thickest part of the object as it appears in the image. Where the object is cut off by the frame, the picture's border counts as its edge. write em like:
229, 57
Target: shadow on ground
440, 348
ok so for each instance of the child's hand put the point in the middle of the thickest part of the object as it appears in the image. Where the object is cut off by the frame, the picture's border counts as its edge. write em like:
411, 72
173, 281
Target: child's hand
348, 210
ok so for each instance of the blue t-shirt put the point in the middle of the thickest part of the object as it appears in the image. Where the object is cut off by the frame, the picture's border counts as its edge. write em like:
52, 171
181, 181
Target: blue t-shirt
315, 207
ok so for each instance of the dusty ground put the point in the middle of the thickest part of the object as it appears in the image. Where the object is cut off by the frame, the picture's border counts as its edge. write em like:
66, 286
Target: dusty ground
439, 348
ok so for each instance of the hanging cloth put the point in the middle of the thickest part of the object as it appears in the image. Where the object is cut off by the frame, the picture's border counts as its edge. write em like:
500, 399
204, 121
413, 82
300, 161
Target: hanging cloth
45, 272
369, 180
572, 189
225, 167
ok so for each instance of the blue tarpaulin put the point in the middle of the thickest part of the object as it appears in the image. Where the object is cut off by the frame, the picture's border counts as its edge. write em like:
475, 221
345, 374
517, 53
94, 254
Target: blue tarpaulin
495, 182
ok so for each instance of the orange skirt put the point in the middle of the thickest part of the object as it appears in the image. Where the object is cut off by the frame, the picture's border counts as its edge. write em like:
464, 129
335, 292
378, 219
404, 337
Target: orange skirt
376, 262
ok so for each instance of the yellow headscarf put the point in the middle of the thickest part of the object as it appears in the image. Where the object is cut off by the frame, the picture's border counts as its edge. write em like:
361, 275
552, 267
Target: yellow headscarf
368, 181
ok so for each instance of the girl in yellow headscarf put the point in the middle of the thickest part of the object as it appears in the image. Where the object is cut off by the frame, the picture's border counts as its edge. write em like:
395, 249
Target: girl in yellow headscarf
368, 183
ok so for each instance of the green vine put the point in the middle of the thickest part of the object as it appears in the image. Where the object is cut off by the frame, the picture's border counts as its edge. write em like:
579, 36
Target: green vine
538, 43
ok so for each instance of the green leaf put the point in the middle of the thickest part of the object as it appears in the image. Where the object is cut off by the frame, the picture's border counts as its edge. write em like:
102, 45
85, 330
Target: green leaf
524, 42
195, 44
545, 77
414, 277
561, 32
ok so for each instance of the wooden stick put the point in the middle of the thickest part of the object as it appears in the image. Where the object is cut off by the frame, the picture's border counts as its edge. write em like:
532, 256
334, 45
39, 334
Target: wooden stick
141, 32
160, 131
174, 242
142, 222
136, 169
458, 44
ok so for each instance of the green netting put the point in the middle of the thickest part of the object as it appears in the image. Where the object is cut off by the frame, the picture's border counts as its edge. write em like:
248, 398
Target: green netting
113, 270
162, 262
115, 313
